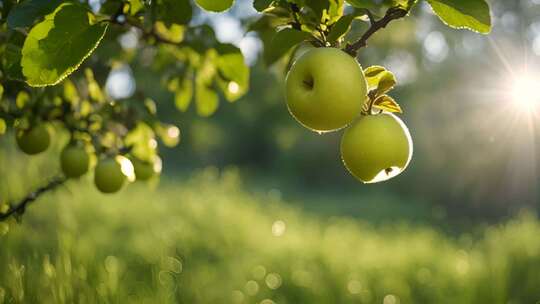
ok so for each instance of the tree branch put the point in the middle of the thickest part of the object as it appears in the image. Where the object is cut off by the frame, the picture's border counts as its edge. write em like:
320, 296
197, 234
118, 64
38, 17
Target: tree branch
20, 207
295, 10
392, 13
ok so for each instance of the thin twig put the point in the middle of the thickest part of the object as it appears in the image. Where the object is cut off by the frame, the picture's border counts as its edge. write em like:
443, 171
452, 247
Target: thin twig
392, 13
20, 207
295, 10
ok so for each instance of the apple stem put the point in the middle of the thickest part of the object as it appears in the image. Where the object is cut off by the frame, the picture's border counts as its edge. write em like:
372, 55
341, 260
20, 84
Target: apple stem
392, 13
18, 209
372, 95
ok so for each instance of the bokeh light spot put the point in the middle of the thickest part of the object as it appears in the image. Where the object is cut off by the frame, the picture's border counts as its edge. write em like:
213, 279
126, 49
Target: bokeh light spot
120, 83
390, 299
278, 228
252, 287
435, 47
354, 287
273, 280
233, 87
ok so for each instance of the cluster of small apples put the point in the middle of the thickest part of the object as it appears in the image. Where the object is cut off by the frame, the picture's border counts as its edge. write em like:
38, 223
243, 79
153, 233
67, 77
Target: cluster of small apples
110, 172
326, 91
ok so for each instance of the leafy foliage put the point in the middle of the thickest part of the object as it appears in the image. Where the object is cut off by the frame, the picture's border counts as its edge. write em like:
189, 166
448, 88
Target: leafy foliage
175, 11
387, 103
380, 81
261, 5
50, 50
26, 13
282, 42
342, 26
469, 14
215, 5
55, 47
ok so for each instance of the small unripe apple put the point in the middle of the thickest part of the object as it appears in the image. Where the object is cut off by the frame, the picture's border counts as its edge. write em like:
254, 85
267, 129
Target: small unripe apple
108, 175
34, 140
144, 170
326, 89
74, 161
215, 5
376, 147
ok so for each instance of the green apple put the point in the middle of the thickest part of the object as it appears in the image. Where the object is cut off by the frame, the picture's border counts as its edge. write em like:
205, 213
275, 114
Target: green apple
108, 175
376, 147
34, 140
326, 89
215, 5
144, 170
74, 161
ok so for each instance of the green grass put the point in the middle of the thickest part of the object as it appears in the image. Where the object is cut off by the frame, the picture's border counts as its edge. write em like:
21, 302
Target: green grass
207, 240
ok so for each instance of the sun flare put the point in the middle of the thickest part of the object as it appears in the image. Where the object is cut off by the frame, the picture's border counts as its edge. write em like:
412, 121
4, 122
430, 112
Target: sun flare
525, 94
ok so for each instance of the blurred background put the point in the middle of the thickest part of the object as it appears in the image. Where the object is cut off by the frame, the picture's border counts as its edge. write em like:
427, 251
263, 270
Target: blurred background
469, 100
253, 208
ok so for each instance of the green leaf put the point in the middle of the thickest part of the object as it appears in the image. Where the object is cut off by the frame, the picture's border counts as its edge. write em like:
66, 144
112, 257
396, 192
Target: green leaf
233, 71
12, 62
70, 92
174, 11
141, 139
150, 106
261, 5
57, 46
282, 42
174, 32
387, 82
387, 103
22, 99
266, 22
470, 14
373, 74
215, 5
325, 11
379, 79
169, 134
340, 28
404, 4
10, 54
184, 94
206, 99
94, 90
110, 7
334, 12
278, 12
27, 12
362, 3
135, 6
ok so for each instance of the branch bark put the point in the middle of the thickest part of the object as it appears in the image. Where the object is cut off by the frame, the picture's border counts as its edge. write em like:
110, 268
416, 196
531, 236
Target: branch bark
392, 13
20, 207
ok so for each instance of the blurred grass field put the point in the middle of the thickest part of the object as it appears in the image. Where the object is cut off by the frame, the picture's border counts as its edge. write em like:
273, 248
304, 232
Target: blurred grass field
206, 239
